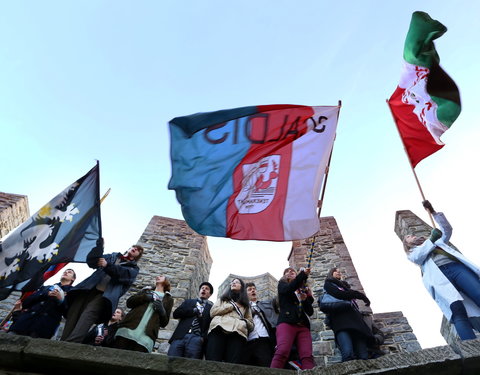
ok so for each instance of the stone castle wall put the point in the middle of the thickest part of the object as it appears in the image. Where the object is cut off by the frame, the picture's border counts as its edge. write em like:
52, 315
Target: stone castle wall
265, 284
13, 211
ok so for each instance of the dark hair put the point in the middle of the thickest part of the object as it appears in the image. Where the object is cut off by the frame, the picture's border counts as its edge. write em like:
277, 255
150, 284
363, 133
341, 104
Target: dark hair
330, 272
123, 312
74, 275
140, 250
241, 297
210, 286
284, 278
247, 285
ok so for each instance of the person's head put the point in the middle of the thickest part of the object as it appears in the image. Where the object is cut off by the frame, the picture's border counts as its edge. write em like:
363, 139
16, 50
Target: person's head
236, 291
236, 285
205, 290
135, 253
289, 274
162, 283
410, 241
334, 273
68, 277
118, 315
251, 291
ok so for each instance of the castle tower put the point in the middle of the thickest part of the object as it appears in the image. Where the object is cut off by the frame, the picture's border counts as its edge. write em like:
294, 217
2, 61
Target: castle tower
330, 251
265, 284
176, 251
13, 212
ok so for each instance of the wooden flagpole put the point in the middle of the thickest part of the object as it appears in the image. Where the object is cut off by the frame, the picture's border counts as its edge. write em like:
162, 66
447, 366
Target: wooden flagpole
322, 195
8, 316
410, 163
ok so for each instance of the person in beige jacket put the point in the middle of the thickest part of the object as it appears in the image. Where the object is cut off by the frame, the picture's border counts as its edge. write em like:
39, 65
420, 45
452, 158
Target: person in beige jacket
231, 323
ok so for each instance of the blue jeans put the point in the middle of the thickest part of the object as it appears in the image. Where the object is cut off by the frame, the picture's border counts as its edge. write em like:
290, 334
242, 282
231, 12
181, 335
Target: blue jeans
467, 282
352, 345
191, 346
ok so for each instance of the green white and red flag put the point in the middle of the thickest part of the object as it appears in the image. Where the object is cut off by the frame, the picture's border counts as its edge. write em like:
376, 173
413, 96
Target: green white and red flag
426, 101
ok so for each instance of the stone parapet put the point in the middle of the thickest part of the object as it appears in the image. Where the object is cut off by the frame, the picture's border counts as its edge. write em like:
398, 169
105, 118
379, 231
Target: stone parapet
26, 356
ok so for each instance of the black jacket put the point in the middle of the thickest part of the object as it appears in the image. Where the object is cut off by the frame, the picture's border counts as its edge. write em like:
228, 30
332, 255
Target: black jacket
41, 314
185, 314
289, 303
122, 276
349, 319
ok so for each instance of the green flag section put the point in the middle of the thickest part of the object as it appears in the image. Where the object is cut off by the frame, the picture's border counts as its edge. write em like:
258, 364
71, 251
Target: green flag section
426, 101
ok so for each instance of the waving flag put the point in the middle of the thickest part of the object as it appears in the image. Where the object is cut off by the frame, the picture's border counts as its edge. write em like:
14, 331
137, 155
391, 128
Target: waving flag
253, 172
426, 101
64, 230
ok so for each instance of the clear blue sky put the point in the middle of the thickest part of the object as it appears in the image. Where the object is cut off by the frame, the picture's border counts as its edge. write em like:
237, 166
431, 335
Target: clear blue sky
90, 80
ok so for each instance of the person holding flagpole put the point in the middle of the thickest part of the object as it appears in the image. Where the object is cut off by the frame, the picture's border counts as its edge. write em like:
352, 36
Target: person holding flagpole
293, 326
95, 299
452, 280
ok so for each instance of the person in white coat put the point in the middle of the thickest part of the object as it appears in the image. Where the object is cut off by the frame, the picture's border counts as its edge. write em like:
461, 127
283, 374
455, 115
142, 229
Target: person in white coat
451, 279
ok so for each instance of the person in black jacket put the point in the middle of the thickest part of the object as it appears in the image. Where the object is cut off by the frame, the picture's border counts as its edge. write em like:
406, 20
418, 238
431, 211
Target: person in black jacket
295, 301
42, 311
189, 338
95, 299
352, 334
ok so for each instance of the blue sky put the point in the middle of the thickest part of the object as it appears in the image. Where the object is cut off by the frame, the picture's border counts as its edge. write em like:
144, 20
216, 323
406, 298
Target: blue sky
81, 81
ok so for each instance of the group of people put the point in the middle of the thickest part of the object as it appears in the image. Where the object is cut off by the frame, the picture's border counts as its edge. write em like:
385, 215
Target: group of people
238, 328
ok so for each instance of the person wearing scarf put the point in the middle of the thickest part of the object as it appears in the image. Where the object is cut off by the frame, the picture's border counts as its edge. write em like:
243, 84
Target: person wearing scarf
231, 323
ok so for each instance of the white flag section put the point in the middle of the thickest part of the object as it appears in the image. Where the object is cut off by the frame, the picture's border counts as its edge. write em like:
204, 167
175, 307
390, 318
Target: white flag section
310, 157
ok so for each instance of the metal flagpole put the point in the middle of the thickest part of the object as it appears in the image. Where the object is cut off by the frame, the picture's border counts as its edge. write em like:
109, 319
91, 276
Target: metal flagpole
410, 163
320, 202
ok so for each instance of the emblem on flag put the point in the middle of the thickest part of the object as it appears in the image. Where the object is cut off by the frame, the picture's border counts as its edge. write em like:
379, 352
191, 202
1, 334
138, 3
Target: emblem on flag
259, 184
63, 230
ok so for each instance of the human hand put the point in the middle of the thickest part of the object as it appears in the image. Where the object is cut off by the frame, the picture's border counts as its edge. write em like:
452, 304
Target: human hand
102, 263
428, 206
17, 305
435, 235
99, 340
57, 293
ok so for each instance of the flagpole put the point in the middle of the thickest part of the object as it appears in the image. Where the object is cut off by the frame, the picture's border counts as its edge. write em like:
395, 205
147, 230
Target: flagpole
410, 163
105, 195
8, 316
322, 195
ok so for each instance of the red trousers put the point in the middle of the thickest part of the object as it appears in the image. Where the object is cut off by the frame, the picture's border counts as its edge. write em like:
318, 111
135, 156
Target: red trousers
287, 334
